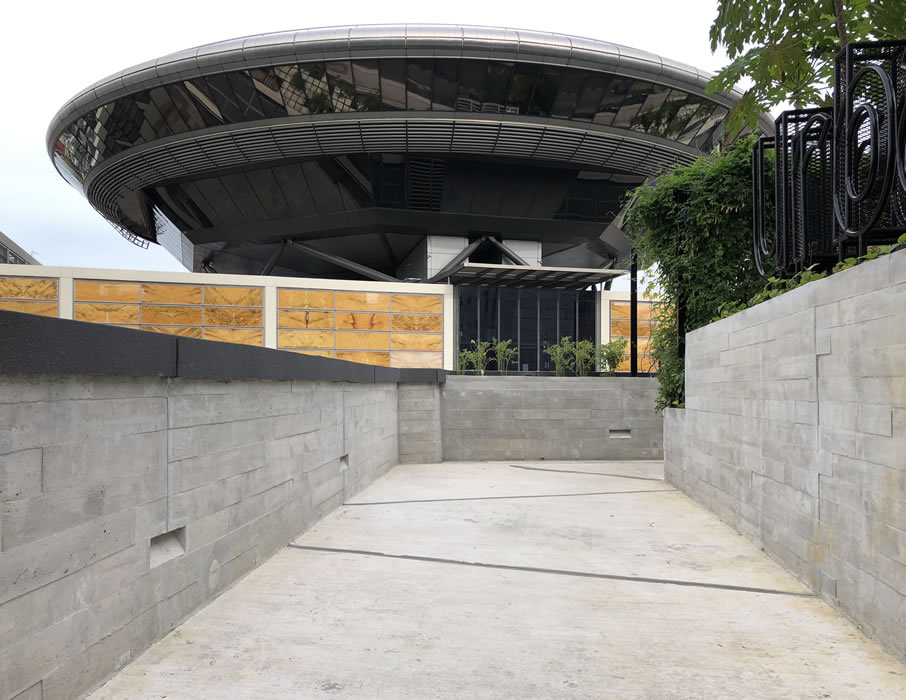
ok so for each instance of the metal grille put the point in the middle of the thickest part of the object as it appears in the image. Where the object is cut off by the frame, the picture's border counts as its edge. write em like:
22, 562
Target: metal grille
840, 171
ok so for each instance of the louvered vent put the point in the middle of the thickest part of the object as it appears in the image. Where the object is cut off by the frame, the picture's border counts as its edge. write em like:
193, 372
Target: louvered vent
425, 182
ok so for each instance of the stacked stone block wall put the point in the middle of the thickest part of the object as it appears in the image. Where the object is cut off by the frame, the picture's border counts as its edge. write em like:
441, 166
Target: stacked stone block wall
128, 502
794, 432
491, 418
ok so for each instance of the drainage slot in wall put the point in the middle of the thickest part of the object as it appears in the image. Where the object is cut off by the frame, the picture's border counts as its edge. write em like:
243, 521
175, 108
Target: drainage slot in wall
344, 463
168, 546
620, 433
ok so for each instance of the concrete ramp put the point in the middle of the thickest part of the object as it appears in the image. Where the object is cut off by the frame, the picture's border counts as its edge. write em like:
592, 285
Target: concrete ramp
516, 580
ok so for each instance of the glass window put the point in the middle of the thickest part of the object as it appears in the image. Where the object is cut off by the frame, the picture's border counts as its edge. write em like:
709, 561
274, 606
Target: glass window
685, 112
497, 87
548, 326
568, 94
567, 315
651, 108
703, 138
156, 125
468, 316
658, 120
367, 85
528, 330
446, 84
317, 90
521, 88
291, 85
587, 316
418, 85
161, 99
224, 97
187, 107
700, 117
613, 99
339, 79
393, 84
509, 327
488, 317
471, 86
590, 97
545, 91
209, 110
267, 86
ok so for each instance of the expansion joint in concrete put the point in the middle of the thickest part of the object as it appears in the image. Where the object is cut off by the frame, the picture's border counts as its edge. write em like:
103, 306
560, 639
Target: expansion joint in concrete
555, 572
504, 498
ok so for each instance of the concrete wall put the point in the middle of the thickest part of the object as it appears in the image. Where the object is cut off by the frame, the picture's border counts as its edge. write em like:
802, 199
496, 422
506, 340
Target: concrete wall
419, 424
490, 418
93, 468
794, 432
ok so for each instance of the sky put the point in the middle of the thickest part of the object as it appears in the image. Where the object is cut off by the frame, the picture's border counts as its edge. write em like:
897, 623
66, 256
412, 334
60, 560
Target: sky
51, 50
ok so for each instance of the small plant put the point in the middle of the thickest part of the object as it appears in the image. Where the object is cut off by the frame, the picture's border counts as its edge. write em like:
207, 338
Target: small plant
503, 353
585, 357
611, 354
562, 355
463, 361
476, 358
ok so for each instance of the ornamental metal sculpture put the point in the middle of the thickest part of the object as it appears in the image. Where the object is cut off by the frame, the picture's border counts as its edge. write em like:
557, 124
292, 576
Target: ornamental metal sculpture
839, 172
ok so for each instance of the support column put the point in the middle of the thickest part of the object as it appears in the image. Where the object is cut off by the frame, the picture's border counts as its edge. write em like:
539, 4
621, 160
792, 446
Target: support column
634, 316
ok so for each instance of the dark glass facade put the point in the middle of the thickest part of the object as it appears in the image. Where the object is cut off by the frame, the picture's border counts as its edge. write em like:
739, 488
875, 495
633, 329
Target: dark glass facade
531, 318
376, 85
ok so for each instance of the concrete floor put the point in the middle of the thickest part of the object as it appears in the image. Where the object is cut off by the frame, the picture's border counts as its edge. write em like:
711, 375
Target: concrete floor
491, 580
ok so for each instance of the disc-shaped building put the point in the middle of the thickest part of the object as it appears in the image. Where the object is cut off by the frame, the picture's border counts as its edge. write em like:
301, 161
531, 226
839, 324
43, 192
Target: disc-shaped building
474, 156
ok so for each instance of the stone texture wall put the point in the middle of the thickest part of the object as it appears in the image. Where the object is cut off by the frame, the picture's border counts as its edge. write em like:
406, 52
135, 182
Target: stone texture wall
419, 416
794, 432
491, 418
95, 471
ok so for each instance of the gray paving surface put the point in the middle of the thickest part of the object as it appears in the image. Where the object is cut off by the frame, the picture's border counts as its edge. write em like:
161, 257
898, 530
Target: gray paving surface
540, 580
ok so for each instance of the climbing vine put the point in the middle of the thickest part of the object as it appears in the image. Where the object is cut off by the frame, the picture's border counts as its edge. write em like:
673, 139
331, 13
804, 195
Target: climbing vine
693, 226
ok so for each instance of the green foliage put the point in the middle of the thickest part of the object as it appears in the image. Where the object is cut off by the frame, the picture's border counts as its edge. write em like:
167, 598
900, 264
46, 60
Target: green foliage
479, 355
777, 286
585, 357
503, 354
562, 355
786, 48
694, 225
611, 354
319, 103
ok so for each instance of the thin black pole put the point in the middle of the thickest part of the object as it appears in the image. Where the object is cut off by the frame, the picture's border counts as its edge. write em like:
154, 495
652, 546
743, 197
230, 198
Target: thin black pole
634, 316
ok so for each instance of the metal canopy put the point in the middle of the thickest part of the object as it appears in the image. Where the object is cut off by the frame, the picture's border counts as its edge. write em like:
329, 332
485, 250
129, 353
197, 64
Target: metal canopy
494, 275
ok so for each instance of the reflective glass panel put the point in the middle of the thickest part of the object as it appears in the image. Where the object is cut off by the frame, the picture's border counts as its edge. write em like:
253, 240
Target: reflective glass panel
590, 97
568, 94
528, 330
653, 105
367, 85
468, 316
168, 110
342, 92
291, 85
418, 84
317, 89
497, 87
471, 86
700, 117
548, 326
393, 84
521, 88
267, 86
446, 84
545, 91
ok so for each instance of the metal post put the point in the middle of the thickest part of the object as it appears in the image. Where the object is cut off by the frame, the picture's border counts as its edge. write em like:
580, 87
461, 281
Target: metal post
634, 316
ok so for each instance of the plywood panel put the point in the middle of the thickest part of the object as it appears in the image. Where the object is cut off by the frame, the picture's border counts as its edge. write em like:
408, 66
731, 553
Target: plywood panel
363, 301
316, 353
304, 299
232, 317
27, 288
305, 339
416, 341
233, 296
415, 322
106, 313
39, 308
245, 336
87, 290
305, 319
352, 340
430, 360
382, 359
171, 294
363, 321
174, 330
171, 315
621, 309
624, 328
418, 304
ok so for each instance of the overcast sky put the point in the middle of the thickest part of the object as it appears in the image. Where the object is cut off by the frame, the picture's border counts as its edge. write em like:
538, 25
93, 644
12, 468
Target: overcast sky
51, 50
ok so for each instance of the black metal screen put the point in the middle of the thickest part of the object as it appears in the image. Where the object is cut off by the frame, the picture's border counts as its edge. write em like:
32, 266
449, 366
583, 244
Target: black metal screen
840, 171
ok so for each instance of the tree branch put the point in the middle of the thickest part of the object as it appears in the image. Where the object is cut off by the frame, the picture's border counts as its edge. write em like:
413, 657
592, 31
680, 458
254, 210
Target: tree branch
841, 23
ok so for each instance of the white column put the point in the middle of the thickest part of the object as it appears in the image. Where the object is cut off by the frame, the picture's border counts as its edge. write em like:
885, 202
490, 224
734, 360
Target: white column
65, 297
270, 316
